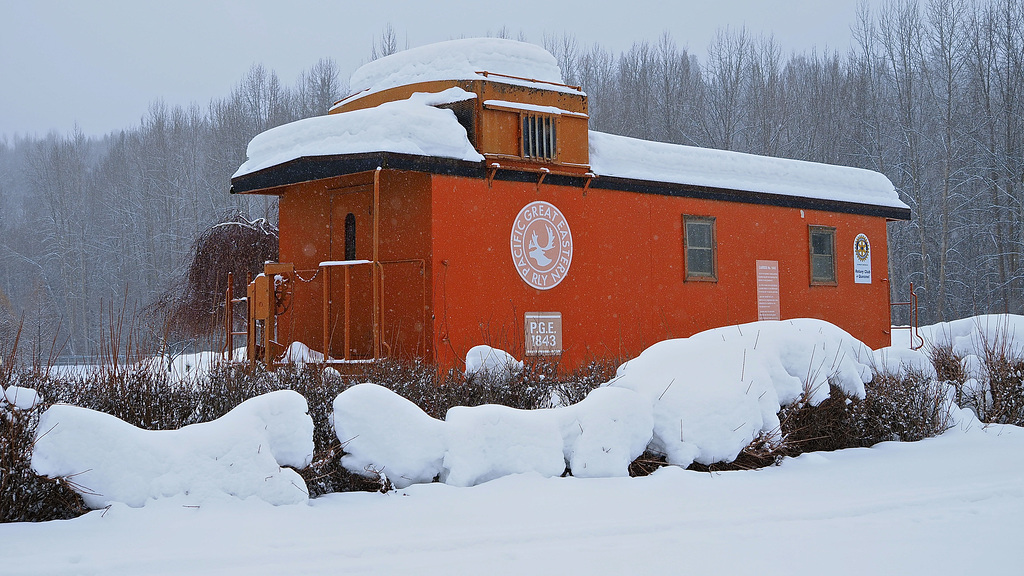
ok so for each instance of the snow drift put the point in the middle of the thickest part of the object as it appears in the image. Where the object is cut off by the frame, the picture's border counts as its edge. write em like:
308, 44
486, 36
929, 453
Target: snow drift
712, 393
240, 454
487, 361
385, 433
19, 397
699, 399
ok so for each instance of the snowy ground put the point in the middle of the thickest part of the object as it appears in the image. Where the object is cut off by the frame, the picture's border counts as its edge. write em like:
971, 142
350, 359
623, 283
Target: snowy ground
948, 505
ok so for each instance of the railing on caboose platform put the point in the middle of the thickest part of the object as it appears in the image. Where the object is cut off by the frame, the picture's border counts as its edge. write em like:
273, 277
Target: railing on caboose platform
264, 304
916, 341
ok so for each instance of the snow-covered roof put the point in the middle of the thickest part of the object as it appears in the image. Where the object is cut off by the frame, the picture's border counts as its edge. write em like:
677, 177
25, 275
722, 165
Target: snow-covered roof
462, 59
623, 157
412, 126
416, 126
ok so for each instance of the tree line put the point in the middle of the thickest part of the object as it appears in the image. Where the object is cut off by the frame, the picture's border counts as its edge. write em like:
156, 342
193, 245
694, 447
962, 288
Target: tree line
91, 227
931, 94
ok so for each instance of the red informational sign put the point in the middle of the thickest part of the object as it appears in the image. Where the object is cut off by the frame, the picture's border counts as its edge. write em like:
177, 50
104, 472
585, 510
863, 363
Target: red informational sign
768, 290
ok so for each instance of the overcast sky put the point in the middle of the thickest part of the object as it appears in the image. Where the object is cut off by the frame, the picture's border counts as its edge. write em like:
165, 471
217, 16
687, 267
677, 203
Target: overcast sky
99, 64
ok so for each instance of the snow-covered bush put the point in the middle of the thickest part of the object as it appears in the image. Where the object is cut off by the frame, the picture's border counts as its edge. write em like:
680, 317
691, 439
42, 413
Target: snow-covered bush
701, 401
906, 406
697, 400
605, 432
491, 441
716, 392
981, 359
485, 361
897, 361
385, 434
240, 454
24, 496
20, 398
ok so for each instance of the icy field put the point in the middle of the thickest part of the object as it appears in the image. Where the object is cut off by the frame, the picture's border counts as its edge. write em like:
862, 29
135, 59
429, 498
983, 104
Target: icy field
948, 505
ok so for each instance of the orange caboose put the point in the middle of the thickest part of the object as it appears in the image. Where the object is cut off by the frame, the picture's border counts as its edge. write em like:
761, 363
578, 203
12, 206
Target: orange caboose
458, 198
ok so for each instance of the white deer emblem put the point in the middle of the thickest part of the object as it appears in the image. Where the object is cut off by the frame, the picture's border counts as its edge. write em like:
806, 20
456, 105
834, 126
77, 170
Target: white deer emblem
537, 252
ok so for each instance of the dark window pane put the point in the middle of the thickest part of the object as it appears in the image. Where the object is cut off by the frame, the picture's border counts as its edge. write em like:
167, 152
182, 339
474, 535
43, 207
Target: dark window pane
698, 234
700, 263
822, 267
821, 243
350, 236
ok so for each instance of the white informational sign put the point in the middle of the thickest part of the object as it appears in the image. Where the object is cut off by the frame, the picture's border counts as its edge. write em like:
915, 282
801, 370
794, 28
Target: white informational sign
543, 333
861, 259
768, 290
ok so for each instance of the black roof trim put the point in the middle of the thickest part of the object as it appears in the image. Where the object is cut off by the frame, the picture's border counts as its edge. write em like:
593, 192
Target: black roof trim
307, 169
320, 167
762, 198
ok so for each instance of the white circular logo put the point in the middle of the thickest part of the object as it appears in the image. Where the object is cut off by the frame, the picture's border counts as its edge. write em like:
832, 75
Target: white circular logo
541, 245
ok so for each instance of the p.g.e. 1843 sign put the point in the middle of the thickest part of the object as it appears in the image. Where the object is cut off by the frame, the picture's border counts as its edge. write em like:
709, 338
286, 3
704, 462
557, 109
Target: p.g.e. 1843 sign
541, 245
543, 333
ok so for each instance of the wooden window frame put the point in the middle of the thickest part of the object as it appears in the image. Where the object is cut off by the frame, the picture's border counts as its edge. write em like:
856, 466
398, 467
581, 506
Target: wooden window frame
689, 275
812, 230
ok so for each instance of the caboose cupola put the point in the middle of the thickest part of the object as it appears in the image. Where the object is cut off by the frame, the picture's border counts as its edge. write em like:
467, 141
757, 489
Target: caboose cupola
522, 117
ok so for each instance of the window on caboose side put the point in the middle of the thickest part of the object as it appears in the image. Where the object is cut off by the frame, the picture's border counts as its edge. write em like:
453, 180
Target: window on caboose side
700, 250
823, 255
350, 236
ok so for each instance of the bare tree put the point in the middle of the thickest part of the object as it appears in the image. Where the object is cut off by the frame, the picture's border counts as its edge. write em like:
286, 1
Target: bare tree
724, 75
946, 46
319, 88
767, 102
386, 44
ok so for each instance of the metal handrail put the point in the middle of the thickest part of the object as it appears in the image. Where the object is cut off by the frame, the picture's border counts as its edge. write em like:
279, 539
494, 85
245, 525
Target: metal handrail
914, 320
345, 264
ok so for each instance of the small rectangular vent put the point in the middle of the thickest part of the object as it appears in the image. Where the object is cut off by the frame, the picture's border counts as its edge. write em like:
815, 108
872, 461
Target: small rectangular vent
539, 137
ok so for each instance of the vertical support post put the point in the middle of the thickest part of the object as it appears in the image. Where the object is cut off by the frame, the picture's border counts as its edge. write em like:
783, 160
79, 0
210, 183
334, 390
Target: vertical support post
373, 270
250, 321
348, 347
327, 316
229, 318
269, 324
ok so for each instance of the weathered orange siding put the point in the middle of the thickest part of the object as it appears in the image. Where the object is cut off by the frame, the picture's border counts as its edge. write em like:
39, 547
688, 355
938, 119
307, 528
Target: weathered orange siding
312, 230
625, 289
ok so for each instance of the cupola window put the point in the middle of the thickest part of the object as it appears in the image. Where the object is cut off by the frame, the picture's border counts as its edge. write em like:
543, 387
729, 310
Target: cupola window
539, 139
